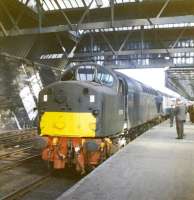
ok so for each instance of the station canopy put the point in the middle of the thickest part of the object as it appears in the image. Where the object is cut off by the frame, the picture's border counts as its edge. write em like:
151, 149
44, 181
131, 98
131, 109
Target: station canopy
117, 33
181, 80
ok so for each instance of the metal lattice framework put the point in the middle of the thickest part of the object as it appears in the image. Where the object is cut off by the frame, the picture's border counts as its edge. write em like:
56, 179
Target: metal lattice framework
119, 33
110, 31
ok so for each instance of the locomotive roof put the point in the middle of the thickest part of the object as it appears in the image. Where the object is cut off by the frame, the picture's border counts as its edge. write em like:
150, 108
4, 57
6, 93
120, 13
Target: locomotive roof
133, 84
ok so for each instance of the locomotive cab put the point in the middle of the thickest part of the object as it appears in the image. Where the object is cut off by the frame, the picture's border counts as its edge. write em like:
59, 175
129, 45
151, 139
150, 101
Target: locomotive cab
80, 104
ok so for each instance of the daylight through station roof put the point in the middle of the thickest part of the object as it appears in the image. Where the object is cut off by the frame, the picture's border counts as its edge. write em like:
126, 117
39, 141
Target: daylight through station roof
49, 5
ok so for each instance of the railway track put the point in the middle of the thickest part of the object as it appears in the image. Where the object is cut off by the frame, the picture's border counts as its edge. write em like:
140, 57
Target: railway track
16, 163
9, 153
16, 147
22, 170
45, 187
32, 178
22, 190
19, 137
18, 177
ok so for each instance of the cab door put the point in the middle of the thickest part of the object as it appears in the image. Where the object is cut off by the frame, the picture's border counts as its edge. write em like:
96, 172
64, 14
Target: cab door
122, 93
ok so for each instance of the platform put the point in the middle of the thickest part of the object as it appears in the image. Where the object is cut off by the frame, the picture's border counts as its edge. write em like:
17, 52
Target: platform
155, 166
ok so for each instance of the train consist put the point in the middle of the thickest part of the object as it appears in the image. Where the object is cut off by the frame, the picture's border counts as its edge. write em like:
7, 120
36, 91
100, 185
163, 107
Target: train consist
80, 115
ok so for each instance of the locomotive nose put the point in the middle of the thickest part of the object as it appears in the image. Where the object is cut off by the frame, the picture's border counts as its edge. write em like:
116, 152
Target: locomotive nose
72, 110
77, 98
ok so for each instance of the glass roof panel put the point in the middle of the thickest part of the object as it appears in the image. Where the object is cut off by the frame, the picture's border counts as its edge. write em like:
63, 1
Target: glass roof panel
80, 3
87, 2
53, 4
61, 3
93, 5
48, 4
74, 4
67, 3
64, 4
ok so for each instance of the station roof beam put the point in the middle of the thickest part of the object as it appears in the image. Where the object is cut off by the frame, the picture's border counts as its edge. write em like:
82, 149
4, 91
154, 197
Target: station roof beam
163, 22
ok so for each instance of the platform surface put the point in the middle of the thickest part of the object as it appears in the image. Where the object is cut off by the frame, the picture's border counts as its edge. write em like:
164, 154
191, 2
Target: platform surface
155, 166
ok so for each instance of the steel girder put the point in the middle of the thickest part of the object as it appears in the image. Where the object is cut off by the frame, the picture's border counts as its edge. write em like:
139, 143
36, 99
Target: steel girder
103, 25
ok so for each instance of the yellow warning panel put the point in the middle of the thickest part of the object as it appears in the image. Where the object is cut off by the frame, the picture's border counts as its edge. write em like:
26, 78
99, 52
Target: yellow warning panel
69, 124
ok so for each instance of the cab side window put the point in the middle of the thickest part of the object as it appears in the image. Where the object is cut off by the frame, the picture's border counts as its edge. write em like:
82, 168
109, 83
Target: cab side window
104, 77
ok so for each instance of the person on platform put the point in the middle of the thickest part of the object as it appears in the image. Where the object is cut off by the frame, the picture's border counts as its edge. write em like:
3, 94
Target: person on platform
171, 115
180, 117
159, 101
191, 112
